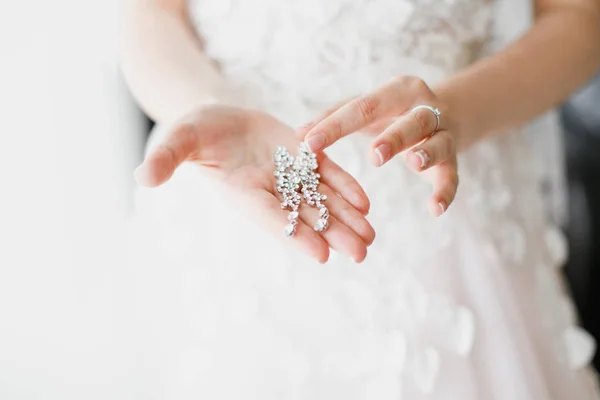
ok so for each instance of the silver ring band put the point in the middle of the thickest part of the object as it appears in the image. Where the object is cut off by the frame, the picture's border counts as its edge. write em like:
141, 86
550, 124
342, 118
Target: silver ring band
435, 112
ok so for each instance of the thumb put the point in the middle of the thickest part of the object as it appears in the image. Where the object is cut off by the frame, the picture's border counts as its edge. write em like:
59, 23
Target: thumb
204, 136
162, 161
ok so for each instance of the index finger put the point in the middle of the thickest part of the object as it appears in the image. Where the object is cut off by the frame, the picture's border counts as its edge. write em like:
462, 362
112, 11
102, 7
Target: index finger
387, 101
306, 128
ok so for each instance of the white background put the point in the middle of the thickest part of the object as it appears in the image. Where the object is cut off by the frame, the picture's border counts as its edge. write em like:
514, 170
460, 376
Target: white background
69, 138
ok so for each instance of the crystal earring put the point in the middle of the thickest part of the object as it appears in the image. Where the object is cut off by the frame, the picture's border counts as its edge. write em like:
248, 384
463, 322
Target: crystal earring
306, 165
288, 185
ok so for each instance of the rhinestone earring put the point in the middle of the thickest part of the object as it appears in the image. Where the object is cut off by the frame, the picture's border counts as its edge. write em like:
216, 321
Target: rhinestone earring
306, 164
295, 176
288, 185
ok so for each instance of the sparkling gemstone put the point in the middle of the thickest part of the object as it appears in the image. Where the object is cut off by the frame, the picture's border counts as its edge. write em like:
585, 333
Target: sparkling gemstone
293, 215
321, 225
324, 212
289, 230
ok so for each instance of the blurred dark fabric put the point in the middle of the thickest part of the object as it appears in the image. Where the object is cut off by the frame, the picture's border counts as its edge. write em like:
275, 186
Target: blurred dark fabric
581, 120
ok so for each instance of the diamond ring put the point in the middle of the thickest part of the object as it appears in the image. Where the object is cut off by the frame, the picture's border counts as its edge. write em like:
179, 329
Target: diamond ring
435, 112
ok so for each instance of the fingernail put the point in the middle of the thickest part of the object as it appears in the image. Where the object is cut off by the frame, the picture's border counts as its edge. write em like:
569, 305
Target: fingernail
442, 207
316, 142
383, 153
423, 156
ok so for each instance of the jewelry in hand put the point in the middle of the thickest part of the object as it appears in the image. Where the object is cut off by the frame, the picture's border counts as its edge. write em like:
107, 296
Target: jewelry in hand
297, 179
436, 112
288, 184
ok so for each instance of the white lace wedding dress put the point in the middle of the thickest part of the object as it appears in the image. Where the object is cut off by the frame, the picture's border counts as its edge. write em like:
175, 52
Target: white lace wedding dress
467, 306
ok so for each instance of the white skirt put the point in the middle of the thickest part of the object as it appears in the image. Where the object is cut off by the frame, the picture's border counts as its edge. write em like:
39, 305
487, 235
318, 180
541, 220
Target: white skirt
467, 306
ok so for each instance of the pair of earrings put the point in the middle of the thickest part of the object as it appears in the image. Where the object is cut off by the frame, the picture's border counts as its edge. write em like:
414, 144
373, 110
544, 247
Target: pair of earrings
297, 180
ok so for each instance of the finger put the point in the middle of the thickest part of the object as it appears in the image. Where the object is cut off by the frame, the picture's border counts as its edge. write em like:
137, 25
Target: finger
304, 129
377, 127
445, 184
373, 129
391, 99
349, 118
403, 134
348, 215
160, 164
433, 151
274, 219
344, 184
338, 236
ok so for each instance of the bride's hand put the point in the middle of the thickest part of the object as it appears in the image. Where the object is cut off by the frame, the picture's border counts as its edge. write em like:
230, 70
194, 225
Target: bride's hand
237, 146
433, 155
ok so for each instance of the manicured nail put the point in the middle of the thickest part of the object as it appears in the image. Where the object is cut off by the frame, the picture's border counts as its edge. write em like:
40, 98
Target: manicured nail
442, 207
316, 142
423, 156
383, 153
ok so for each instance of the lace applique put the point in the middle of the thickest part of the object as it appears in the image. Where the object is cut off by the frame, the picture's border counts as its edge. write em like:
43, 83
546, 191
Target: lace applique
346, 47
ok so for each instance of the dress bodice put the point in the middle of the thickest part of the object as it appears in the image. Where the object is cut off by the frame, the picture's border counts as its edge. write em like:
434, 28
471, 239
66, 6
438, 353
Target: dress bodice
293, 58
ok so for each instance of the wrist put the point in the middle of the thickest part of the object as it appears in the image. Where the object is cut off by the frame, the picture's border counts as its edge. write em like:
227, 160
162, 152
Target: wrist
456, 120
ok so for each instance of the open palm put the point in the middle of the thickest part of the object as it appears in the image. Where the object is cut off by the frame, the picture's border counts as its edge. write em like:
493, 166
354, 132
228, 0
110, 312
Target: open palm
236, 145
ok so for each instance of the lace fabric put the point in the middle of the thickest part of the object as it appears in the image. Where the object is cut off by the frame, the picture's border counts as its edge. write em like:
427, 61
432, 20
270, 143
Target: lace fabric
335, 57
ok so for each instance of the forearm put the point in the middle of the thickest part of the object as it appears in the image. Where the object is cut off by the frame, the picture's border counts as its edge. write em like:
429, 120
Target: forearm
163, 62
558, 54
